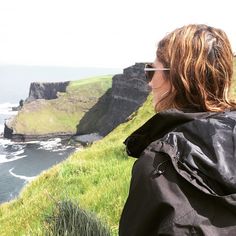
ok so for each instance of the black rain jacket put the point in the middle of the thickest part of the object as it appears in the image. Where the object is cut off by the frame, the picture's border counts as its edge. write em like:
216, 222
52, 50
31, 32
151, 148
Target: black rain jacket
184, 180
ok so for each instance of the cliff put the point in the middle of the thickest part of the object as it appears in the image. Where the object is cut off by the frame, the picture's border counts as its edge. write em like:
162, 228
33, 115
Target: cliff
129, 91
46, 90
90, 106
42, 119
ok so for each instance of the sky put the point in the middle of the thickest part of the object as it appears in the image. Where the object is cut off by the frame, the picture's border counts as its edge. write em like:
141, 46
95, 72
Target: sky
100, 33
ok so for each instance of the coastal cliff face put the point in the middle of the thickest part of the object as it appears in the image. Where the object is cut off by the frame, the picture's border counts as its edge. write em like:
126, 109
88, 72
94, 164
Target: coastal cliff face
129, 91
42, 117
46, 90
79, 108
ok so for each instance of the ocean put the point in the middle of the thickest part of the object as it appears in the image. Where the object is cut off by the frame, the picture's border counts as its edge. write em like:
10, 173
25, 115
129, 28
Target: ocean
20, 163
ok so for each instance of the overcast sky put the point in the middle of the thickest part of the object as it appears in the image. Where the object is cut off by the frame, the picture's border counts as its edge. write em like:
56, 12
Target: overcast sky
99, 33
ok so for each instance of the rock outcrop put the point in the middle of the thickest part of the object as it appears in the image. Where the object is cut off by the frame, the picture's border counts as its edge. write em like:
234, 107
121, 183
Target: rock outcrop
46, 90
129, 91
7, 130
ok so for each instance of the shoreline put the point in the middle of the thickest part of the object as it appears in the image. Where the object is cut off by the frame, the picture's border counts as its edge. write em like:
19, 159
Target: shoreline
20, 162
83, 139
39, 137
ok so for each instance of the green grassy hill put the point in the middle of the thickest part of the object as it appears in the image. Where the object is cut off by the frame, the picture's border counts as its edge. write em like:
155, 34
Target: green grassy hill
64, 113
97, 178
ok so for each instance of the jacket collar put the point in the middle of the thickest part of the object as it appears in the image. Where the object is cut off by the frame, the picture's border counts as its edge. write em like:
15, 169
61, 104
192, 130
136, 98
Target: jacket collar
156, 127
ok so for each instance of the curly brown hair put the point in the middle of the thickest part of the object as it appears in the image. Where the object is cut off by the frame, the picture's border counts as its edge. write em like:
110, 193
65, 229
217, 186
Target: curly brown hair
200, 59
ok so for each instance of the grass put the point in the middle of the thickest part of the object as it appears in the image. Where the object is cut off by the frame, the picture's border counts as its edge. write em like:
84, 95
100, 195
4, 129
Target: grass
64, 113
96, 178
69, 219
106, 79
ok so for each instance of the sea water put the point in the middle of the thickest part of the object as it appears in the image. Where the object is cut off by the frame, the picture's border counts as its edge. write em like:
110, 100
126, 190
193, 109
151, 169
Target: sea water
20, 163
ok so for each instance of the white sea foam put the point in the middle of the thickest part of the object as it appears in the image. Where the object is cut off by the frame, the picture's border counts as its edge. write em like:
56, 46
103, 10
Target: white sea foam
32, 142
50, 144
6, 109
53, 145
15, 154
4, 143
23, 177
2, 156
4, 159
18, 153
1, 128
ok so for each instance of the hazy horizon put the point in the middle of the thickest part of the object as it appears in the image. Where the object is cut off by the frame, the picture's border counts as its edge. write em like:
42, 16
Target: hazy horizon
15, 79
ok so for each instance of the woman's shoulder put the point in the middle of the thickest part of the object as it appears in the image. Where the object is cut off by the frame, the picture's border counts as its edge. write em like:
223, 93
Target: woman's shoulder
149, 162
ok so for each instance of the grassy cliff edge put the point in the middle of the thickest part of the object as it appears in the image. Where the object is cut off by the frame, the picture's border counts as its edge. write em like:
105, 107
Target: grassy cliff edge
41, 116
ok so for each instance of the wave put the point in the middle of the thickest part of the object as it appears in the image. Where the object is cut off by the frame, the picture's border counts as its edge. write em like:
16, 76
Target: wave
15, 145
53, 145
16, 152
49, 145
6, 142
23, 177
1, 129
6, 108
12, 151
4, 158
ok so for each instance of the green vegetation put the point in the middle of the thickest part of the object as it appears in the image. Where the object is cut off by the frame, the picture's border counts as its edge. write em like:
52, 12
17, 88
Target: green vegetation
105, 79
64, 113
69, 219
97, 178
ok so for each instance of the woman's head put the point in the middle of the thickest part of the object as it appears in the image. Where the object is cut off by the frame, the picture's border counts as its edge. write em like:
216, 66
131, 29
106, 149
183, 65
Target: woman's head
200, 62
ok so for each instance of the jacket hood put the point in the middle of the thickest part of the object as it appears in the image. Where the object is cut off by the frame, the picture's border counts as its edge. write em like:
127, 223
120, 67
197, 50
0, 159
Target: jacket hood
205, 144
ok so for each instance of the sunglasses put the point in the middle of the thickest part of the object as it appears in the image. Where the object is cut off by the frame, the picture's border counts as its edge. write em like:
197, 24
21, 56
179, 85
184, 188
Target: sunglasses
149, 71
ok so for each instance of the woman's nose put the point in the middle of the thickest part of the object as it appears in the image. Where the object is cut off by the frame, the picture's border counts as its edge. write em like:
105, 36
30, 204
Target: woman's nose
150, 84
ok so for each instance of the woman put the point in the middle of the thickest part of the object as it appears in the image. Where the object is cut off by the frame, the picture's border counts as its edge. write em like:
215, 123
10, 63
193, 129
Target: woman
184, 180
